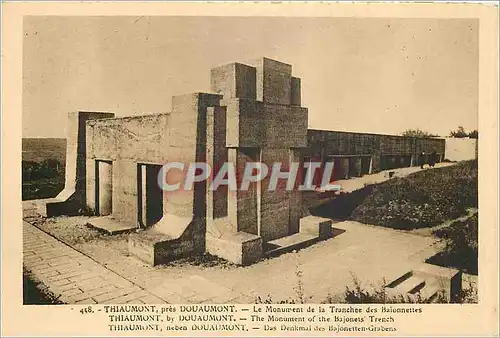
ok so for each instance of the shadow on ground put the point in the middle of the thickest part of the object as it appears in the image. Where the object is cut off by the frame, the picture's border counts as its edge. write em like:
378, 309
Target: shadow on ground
34, 293
343, 206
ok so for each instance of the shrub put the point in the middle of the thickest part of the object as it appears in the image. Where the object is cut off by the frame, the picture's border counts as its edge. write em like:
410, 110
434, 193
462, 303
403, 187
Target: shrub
423, 199
461, 250
468, 294
417, 133
378, 295
42, 179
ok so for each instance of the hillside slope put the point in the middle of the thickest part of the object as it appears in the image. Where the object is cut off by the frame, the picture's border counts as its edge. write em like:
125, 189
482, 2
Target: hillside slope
423, 199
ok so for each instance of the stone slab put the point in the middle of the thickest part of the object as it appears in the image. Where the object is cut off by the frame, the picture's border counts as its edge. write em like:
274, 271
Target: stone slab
110, 225
239, 248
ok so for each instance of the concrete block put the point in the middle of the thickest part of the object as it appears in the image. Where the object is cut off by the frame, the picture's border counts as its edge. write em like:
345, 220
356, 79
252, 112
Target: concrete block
239, 248
69, 207
275, 224
273, 81
234, 80
244, 123
295, 91
139, 138
450, 280
142, 248
325, 229
154, 247
283, 126
316, 226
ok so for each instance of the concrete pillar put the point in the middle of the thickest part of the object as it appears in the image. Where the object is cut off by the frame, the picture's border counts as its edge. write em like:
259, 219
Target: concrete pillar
247, 200
232, 196
357, 164
275, 205
295, 91
274, 81
365, 165
243, 206
188, 145
234, 80
345, 168
74, 195
105, 187
143, 190
392, 162
295, 201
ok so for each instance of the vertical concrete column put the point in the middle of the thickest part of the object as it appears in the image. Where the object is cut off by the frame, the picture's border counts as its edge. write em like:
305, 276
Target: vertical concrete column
234, 80
295, 201
232, 196
143, 192
242, 206
77, 147
345, 167
186, 208
295, 91
357, 164
275, 211
210, 161
188, 145
274, 82
217, 156
105, 187
247, 200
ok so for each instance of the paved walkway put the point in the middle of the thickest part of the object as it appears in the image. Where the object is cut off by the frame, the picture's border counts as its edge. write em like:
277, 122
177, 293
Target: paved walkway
75, 277
111, 276
356, 183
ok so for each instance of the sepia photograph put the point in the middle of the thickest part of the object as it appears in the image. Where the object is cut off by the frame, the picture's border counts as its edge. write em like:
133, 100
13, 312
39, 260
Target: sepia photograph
237, 122
191, 172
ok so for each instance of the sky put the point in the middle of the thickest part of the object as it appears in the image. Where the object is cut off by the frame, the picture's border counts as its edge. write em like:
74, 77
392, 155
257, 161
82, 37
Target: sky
372, 75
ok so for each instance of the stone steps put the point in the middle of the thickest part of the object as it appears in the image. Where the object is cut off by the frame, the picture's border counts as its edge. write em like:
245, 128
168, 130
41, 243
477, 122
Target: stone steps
290, 243
416, 285
430, 292
411, 285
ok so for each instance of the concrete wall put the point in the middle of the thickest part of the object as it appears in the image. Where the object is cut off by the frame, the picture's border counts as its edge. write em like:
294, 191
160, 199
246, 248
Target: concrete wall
461, 149
125, 142
383, 151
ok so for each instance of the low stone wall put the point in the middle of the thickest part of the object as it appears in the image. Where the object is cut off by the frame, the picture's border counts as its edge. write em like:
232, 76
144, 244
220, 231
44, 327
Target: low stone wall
461, 149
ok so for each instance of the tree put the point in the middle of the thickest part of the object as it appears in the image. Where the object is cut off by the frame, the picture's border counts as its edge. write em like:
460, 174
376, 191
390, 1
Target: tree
417, 133
474, 134
459, 133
